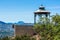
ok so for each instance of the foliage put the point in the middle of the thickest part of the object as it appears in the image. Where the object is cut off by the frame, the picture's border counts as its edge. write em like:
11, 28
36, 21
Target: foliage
49, 31
56, 18
5, 38
23, 37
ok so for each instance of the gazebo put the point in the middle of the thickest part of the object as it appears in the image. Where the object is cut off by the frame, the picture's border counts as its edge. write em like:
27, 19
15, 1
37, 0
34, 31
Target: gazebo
41, 12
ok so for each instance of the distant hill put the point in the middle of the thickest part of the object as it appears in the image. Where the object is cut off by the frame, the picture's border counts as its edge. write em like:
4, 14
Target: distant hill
23, 23
19, 23
2, 22
6, 29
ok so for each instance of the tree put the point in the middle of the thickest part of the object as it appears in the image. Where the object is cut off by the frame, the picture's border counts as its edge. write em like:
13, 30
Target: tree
49, 31
56, 19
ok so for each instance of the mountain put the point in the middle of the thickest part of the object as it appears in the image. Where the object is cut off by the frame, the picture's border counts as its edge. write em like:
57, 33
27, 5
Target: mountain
6, 29
2, 22
23, 23
19, 23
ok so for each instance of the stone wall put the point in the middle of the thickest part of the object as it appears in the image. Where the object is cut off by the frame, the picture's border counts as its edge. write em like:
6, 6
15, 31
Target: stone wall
24, 29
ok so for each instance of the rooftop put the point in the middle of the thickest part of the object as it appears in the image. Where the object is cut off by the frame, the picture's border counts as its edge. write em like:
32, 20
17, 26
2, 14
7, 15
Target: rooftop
41, 10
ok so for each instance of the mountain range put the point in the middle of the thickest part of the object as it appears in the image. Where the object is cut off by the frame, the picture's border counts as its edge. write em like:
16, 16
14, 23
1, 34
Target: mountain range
7, 30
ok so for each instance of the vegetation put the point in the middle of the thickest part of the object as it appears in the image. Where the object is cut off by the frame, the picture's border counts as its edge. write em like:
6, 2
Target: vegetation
23, 37
49, 30
5, 38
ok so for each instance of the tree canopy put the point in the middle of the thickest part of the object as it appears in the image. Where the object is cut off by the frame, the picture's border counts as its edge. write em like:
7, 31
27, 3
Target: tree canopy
49, 31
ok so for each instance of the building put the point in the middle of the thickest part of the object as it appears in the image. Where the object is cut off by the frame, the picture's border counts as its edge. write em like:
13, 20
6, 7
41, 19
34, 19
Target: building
24, 30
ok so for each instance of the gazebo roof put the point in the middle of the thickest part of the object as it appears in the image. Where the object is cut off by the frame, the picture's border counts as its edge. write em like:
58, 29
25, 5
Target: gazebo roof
41, 10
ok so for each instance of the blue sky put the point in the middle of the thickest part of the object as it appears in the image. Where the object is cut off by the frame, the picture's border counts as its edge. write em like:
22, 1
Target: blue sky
23, 10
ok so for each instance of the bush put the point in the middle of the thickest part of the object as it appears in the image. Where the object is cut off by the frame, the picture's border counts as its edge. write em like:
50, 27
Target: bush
49, 31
